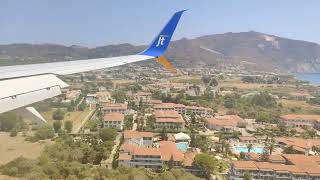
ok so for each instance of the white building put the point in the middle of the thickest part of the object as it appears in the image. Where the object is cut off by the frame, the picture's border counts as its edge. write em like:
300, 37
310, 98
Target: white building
113, 120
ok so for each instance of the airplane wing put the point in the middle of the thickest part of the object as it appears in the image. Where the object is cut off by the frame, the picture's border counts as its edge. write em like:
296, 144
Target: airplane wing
22, 85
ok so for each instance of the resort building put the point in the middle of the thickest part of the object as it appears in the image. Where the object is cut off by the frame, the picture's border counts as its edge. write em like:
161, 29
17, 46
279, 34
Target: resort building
300, 120
113, 120
248, 139
165, 153
225, 123
168, 119
149, 102
72, 95
295, 167
103, 96
302, 146
142, 96
117, 107
251, 156
91, 99
140, 139
182, 109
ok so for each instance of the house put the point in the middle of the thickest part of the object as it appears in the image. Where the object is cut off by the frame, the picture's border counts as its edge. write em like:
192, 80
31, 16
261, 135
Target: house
113, 120
141, 139
303, 146
251, 156
164, 153
116, 107
72, 95
182, 109
142, 96
248, 139
225, 123
91, 99
168, 119
103, 96
300, 120
150, 103
295, 167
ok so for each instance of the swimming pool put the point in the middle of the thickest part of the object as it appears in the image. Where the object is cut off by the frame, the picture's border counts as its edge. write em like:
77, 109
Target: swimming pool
258, 150
182, 146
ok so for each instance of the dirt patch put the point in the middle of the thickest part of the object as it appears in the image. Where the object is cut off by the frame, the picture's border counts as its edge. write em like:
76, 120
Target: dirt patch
13, 147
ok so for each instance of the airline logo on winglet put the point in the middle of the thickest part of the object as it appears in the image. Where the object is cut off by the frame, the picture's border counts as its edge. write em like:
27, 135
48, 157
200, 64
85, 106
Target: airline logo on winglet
161, 40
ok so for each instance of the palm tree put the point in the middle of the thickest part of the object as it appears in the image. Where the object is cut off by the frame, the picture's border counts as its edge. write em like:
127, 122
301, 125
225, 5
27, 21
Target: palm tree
270, 146
249, 147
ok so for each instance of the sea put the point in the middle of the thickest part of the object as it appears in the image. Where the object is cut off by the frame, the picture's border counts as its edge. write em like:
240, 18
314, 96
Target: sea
313, 78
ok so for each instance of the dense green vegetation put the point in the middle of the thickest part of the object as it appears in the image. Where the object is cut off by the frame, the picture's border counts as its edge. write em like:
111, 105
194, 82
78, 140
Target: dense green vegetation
10, 121
71, 158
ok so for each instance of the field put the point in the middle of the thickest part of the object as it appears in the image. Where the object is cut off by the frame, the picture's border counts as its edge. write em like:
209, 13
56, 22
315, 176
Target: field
76, 117
13, 147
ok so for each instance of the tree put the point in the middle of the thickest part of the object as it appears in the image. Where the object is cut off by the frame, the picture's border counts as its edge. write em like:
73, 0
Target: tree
247, 176
68, 125
57, 126
58, 114
45, 132
171, 163
248, 79
163, 134
242, 155
107, 134
206, 163
119, 96
229, 102
265, 155
10, 121
249, 147
289, 150
270, 146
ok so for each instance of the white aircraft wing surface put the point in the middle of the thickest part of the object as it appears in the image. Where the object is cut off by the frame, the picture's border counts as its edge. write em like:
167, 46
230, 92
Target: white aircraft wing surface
22, 85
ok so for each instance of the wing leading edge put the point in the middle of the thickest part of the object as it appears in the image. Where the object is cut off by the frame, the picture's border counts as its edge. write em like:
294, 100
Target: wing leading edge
22, 85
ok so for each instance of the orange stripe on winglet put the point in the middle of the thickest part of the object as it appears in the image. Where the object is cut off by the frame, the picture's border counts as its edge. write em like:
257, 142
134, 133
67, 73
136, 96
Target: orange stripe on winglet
166, 64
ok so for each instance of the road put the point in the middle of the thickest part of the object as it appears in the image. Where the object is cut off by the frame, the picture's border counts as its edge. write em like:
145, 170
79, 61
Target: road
109, 161
83, 122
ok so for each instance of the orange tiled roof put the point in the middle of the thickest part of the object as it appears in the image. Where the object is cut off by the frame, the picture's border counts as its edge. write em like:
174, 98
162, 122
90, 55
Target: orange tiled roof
113, 117
247, 138
115, 106
300, 164
299, 142
307, 117
226, 120
123, 156
136, 134
168, 116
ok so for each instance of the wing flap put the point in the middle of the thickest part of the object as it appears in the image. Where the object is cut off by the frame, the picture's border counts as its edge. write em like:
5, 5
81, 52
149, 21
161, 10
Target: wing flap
16, 93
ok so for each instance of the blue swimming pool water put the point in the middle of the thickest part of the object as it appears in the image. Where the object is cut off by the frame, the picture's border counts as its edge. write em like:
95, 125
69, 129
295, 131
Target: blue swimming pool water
182, 146
258, 150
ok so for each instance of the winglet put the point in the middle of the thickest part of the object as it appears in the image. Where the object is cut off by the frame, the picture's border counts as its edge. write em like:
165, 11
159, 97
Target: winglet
161, 42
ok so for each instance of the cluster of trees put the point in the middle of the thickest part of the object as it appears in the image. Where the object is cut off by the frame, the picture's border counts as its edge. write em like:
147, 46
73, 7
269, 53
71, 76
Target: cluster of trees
57, 126
265, 80
119, 96
68, 158
71, 158
10, 122
262, 106
58, 114
128, 122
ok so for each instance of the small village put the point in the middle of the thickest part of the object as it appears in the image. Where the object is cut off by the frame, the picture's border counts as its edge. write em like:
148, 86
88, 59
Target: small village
208, 123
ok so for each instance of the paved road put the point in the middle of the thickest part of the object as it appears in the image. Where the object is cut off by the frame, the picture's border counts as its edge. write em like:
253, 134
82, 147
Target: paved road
135, 125
83, 122
109, 161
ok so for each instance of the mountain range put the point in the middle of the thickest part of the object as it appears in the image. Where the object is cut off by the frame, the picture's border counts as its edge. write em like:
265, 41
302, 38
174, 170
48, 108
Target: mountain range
252, 50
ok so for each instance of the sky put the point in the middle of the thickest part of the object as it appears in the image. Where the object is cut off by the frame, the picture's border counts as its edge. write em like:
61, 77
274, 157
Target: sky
103, 22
